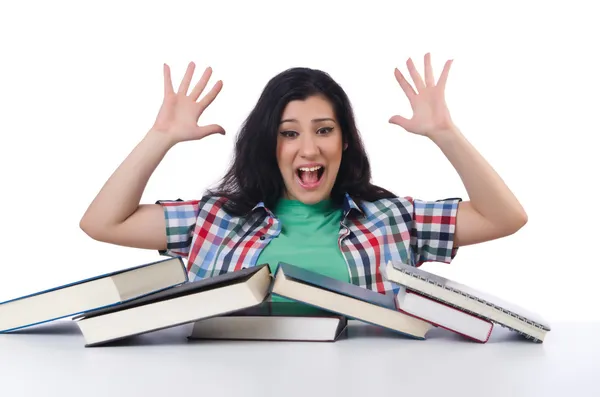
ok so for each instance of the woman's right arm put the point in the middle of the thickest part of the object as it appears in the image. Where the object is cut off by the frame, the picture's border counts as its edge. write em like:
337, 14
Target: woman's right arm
115, 215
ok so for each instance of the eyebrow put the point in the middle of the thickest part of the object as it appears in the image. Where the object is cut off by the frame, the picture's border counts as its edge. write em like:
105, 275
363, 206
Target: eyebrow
313, 120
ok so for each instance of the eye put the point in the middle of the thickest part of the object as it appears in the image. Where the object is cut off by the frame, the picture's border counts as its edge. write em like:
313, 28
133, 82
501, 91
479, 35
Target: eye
325, 130
289, 134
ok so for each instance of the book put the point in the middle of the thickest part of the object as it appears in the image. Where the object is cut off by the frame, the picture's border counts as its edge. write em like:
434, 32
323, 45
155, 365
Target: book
92, 293
352, 301
179, 305
273, 321
467, 299
443, 315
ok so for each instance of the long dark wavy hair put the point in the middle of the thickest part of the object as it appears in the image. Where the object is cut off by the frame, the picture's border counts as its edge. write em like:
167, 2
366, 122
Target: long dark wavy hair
254, 174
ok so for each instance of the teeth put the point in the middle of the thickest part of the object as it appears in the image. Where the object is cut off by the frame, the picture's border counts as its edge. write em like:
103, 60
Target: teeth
310, 168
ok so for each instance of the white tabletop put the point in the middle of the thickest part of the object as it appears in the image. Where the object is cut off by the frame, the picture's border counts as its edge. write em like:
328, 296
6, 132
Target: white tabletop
50, 360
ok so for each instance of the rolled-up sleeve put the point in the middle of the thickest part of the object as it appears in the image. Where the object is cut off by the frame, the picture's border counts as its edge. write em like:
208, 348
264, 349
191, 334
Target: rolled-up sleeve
433, 229
180, 220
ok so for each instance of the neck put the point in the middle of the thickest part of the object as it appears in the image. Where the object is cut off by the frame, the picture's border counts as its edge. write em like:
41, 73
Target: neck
292, 205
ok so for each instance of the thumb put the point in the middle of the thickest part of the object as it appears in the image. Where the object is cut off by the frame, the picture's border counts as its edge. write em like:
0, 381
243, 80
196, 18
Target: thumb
400, 121
210, 129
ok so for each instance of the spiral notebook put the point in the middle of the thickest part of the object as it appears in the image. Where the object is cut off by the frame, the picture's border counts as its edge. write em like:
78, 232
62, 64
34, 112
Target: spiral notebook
489, 307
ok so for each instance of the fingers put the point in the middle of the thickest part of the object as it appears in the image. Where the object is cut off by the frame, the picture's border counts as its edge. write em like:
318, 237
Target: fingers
167, 78
444, 76
416, 77
429, 80
210, 96
187, 78
201, 84
406, 87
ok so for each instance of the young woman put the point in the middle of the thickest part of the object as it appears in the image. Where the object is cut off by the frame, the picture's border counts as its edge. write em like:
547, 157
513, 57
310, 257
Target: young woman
299, 190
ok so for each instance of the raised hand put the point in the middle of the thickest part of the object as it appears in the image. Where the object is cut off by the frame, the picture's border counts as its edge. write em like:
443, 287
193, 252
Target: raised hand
179, 112
427, 100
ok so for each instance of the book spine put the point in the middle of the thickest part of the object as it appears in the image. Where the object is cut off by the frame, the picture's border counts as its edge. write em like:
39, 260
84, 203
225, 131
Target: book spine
523, 319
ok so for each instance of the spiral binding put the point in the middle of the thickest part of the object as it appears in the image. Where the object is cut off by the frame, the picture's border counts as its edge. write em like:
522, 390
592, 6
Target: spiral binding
526, 320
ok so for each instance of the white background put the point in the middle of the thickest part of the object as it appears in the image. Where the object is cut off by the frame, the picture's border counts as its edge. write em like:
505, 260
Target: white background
81, 83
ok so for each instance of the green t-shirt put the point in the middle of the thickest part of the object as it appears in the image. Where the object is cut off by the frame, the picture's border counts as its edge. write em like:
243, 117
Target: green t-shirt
308, 238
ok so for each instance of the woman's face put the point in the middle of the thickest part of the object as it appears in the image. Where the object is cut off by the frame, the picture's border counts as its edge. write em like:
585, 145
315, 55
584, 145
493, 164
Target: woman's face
309, 149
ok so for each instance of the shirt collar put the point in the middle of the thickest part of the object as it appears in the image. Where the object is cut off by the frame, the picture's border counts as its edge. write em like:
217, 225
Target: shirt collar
348, 206
262, 206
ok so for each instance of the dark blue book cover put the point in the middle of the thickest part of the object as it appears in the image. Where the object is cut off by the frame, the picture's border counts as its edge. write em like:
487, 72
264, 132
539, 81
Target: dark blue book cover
353, 291
310, 278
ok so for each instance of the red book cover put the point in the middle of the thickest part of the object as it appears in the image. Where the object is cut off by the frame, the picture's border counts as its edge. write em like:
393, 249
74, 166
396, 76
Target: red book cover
432, 321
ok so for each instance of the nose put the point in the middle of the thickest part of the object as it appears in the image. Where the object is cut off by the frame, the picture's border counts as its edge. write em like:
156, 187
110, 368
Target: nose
308, 146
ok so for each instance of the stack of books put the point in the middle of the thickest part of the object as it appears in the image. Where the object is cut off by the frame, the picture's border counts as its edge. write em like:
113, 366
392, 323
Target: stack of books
237, 305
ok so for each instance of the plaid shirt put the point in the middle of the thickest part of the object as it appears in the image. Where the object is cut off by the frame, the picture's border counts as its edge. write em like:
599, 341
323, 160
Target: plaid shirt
400, 229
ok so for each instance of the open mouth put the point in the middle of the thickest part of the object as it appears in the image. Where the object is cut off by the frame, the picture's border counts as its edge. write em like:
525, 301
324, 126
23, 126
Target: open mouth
310, 177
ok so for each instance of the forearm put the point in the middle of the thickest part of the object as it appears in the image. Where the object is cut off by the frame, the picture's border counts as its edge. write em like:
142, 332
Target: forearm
488, 193
121, 194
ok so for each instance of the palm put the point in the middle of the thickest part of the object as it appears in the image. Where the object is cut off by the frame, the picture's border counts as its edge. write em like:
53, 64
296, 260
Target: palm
427, 100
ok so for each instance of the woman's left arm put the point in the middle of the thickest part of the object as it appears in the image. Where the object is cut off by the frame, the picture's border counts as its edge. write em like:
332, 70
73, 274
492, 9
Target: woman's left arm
492, 210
